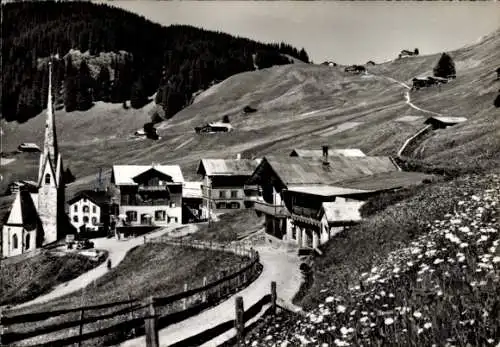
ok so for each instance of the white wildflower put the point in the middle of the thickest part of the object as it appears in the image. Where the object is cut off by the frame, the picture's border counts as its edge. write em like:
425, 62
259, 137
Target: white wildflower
417, 314
388, 321
329, 299
496, 259
438, 261
428, 325
341, 309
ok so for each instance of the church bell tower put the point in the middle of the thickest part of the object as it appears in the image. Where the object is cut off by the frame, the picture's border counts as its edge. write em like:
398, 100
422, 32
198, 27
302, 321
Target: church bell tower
50, 178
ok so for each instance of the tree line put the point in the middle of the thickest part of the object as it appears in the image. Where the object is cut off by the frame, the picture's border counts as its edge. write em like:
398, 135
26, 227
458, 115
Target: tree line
174, 61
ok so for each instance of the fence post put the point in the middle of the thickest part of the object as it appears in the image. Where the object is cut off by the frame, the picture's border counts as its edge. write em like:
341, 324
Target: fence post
1, 326
80, 332
239, 321
273, 297
184, 300
204, 295
131, 314
152, 339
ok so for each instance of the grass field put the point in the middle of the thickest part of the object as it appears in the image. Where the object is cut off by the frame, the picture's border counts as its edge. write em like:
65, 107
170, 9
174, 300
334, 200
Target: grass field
35, 276
230, 227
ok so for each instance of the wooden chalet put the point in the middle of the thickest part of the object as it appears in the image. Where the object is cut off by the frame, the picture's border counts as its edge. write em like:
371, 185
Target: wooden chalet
224, 185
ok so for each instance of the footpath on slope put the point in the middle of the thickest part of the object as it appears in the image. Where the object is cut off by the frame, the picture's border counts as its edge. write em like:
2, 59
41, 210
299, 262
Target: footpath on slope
279, 265
117, 250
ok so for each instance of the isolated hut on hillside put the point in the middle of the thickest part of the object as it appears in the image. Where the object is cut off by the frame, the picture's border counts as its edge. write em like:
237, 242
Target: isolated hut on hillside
441, 122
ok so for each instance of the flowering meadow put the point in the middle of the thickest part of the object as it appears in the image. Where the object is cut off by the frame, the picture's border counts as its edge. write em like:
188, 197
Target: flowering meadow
441, 287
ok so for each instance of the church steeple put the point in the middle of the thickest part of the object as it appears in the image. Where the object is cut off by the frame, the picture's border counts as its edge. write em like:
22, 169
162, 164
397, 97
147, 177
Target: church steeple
50, 156
50, 149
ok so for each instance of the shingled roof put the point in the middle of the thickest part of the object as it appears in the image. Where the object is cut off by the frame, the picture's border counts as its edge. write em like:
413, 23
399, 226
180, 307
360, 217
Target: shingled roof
227, 167
305, 171
318, 153
125, 174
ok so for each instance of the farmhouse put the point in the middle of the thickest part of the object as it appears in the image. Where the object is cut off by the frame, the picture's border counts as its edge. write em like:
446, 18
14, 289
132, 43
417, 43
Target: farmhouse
89, 211
355, 69
224, 184
212, 128
406, 53
28, 147
422, 82
37, 215
192, 201
441, 122
306, 181
148, 195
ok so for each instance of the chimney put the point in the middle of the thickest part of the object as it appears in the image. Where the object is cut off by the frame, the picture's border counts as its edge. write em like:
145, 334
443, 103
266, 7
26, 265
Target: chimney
238, 156
325, 155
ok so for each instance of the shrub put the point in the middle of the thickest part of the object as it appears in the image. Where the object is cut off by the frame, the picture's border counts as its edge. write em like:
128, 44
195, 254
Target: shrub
225, 119
497, 101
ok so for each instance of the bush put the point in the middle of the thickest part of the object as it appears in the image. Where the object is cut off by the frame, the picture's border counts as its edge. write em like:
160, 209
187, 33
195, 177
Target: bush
225, 119
445, 67
497, 101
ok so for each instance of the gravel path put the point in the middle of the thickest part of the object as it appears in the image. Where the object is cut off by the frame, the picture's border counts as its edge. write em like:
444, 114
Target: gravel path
280, 265
117, 250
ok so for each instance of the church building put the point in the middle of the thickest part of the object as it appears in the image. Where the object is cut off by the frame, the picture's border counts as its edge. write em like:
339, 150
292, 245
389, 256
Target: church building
37, 215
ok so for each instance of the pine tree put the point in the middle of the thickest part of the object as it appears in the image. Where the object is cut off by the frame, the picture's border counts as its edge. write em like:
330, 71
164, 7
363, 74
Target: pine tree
70, 93
303, 56
497, 101
445, 67
138, 96
103, 84
84, 90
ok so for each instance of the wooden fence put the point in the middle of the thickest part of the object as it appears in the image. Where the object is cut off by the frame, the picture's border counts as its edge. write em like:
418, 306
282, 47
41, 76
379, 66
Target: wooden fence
118, 321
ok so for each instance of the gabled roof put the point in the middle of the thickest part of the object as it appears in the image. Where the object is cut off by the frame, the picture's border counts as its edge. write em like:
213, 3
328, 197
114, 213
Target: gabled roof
318, 153
447, 120
305, 171
342, 212
23, 211
227, 167
98, 197
192, 189
125, 174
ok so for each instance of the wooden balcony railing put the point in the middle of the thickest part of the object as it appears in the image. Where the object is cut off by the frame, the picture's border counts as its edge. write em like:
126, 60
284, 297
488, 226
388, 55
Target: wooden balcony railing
271, 209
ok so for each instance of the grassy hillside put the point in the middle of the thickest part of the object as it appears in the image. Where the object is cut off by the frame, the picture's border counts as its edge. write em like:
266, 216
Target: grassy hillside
298, 105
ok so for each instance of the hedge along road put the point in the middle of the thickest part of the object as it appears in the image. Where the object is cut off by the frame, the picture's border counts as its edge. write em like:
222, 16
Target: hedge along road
117, 250
279, 265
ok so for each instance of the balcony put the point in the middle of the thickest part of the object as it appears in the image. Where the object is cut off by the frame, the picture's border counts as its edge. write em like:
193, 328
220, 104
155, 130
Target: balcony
143, 188
271, 209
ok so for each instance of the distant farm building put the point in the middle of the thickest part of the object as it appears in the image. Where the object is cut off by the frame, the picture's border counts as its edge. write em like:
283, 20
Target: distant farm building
406, 53
440, 122
212, 128
355, 69
371, 62
423, 82
28, 147
248, 109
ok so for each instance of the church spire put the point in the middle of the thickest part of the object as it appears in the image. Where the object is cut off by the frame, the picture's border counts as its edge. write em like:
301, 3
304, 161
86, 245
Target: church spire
50, 150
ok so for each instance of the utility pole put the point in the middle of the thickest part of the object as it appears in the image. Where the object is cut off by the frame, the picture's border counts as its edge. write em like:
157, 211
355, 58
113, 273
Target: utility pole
209, 187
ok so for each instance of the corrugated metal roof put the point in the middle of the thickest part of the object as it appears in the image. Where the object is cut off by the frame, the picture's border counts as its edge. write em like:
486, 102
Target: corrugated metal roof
240, 167
342, 211
449, 120
385, 180
304, 171
124, 174
318, 153
325, 190
192, 189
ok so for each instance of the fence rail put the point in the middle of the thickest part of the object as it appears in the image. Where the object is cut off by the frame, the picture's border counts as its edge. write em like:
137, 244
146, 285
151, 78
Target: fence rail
133, 315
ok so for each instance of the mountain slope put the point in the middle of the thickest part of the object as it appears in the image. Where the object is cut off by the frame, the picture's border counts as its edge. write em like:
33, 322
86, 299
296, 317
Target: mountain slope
298, 105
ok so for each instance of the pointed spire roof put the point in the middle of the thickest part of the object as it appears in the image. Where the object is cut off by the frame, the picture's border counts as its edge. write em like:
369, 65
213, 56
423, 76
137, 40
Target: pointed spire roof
23, 211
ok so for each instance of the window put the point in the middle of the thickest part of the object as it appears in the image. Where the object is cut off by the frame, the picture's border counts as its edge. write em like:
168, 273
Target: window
175, 219
28, 240
221, 205
172, 204
14, 241
47, 178
85, 219
75, 219
160, 215
86, 209
75, 208
234, 193
84, 199
222, 194
94, 220
94, 209
131, 216
235, 205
